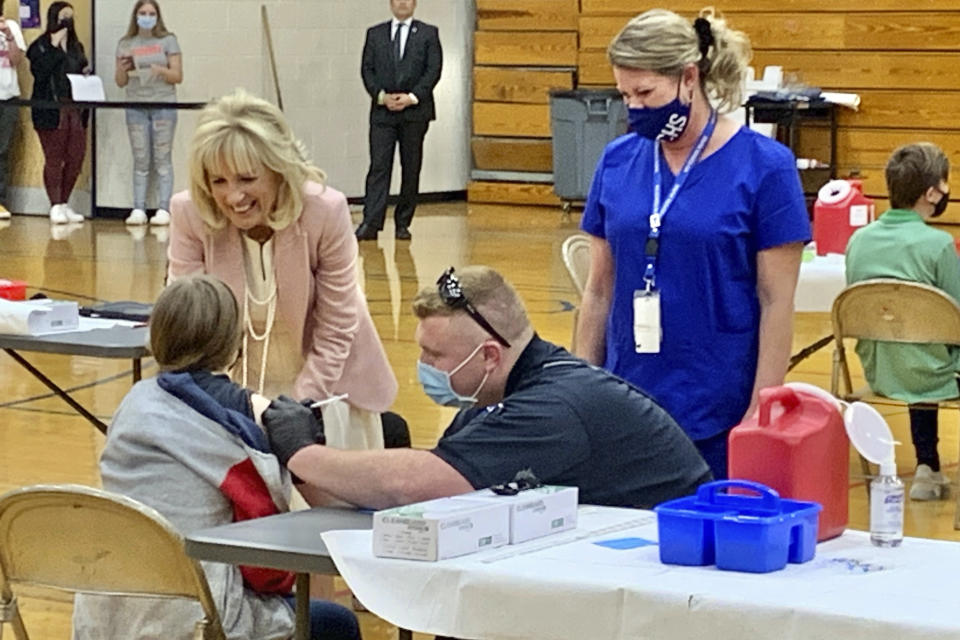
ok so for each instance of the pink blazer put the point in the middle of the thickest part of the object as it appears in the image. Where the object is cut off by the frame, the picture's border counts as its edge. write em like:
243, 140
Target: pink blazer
317, 290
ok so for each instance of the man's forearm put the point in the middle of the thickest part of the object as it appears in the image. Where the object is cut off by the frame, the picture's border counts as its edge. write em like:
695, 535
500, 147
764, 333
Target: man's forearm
377, 479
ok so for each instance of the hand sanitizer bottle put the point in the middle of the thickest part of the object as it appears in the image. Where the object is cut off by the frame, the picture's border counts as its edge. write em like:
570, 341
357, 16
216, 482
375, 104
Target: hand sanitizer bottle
886, 507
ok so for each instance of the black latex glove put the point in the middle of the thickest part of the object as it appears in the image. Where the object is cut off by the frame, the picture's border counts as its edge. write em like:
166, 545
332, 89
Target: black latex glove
290, 427
317, 411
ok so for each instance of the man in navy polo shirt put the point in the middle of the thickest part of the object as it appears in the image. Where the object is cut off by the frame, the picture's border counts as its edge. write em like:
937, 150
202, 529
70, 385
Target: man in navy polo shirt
526, 404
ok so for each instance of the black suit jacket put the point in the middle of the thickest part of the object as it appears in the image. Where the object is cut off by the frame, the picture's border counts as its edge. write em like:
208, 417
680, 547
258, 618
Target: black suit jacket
418, 72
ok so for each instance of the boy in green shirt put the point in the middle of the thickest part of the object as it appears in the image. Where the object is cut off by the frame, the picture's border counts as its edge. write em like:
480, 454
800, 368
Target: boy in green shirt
901, 245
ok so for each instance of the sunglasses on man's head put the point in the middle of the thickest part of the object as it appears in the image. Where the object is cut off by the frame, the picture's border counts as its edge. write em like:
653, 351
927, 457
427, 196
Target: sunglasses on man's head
448, 285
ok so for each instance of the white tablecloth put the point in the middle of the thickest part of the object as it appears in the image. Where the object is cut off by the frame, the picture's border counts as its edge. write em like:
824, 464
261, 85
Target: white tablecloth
821, 279
567, 586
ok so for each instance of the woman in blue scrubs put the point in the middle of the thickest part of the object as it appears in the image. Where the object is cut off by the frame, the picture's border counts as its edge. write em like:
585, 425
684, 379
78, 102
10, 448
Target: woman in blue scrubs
697, 226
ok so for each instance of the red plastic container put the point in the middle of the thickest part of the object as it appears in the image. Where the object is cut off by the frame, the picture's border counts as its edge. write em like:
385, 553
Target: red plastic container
840, 209
796, 444
13, 289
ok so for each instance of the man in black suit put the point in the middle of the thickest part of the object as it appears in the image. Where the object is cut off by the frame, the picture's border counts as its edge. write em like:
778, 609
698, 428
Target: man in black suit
401, 65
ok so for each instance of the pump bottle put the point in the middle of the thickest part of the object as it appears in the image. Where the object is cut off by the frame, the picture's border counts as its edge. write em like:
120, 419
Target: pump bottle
886, 507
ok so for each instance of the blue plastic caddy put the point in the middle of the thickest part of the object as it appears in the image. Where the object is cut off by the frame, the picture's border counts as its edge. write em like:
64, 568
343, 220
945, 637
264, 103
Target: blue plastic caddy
737, 532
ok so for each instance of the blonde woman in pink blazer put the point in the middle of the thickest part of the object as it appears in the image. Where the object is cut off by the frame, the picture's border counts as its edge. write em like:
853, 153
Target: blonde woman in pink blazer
259, 217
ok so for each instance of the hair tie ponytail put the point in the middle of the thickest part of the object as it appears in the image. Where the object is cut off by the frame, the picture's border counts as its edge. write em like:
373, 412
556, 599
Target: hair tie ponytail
704, 35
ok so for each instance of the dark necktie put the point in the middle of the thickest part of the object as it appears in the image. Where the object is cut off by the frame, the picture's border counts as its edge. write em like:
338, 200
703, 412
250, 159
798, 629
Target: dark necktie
396, 42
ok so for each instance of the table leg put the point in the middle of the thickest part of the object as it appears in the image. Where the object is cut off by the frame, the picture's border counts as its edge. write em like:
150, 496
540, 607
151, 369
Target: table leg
302, 631
57, 390
404, 634
137, 370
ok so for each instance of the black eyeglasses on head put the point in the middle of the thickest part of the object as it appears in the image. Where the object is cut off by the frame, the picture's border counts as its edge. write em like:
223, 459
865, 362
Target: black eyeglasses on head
448, 285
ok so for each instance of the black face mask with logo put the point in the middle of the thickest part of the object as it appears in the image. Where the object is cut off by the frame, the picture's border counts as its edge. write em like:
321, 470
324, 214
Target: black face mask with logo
941, 205
65, 23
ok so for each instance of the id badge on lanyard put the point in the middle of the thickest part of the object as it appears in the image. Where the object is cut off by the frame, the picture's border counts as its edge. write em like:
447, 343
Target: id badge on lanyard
647, 333
647, 324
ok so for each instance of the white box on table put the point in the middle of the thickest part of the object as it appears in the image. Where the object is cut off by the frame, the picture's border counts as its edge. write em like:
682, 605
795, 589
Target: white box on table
535, 513
38, 317
440, 529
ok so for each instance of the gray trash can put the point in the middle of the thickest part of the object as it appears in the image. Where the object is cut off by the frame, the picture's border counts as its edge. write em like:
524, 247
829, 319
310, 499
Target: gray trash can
582, 121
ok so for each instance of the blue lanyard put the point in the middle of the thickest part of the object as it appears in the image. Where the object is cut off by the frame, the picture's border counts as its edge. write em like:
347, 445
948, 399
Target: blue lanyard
656, 217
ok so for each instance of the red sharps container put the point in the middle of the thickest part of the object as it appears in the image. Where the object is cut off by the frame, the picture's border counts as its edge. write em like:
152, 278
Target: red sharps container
796, 443
840, 209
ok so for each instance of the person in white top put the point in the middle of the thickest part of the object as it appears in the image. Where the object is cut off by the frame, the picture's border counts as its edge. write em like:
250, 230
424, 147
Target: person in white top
12, 47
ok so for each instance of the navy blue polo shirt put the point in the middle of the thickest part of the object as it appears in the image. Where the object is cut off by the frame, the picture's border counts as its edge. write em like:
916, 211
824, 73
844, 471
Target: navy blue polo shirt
573, 424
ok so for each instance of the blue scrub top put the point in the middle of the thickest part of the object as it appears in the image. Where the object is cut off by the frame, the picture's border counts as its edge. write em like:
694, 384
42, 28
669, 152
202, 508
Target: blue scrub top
743, 198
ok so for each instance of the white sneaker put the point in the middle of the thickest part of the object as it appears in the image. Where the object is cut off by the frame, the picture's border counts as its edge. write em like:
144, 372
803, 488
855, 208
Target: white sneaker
58, 214
137, 217
4, 213
72, 216
161, 218
928, 484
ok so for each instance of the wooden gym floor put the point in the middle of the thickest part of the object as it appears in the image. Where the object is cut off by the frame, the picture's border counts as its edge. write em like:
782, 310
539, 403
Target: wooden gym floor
43, 441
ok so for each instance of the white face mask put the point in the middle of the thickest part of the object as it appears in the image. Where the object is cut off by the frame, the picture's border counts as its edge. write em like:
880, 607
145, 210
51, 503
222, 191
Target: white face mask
437, 384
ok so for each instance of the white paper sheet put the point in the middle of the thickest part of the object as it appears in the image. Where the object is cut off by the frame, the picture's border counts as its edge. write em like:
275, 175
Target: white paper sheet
86, 88
850, 590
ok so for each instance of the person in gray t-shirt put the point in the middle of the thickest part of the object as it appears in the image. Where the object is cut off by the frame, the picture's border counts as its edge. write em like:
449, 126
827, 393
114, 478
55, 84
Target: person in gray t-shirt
149, 67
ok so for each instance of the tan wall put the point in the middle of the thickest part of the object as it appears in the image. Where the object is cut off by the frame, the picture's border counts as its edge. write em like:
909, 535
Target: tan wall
26, 159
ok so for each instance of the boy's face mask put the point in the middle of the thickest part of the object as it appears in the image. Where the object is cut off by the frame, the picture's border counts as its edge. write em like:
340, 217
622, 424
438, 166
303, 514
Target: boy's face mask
941, 205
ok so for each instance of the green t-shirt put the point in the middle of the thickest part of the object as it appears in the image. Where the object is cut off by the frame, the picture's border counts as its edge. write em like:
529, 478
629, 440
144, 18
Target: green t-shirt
146, 52
901, 245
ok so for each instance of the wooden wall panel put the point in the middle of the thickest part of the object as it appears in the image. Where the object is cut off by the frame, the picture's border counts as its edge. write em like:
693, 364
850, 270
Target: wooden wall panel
781, 31
896, 109
518, 84
511, 119
903, 30
512, 193
594, 69
633, 7
852, 70
527, 15
937, 31
869, 149
525, 48
840, 71
513, 154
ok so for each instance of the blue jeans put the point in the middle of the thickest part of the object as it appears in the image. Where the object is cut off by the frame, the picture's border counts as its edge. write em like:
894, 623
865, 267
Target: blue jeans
151, 139
329, 621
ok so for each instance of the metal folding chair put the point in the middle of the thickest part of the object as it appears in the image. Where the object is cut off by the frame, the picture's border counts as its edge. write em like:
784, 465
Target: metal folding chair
81, 539
891, 311
576, 257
